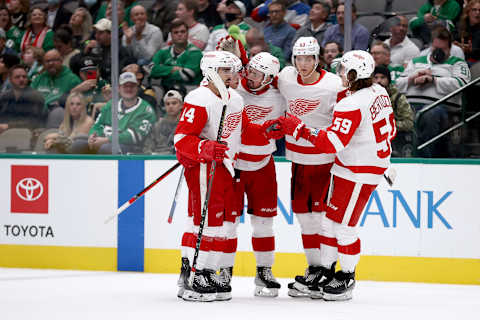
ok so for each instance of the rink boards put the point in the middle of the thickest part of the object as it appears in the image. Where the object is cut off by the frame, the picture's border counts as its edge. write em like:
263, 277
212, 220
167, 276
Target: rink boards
426, 228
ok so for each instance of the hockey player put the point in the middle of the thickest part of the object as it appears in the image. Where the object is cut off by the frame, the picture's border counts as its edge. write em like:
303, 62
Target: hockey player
359, 135
256, 172
196, 146
310, 93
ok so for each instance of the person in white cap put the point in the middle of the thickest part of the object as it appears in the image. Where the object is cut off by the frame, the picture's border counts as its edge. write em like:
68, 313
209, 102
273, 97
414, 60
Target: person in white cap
164, 129
359, 136
136, 118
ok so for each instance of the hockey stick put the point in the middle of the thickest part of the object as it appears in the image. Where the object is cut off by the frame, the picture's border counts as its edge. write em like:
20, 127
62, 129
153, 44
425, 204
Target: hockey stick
218, 82
141, 193
175, 198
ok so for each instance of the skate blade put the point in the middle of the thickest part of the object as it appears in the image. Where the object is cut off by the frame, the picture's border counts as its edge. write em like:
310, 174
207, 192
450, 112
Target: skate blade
223, 296
294, 293
338, 297
314, 294
180, 292
190, 295
261, 291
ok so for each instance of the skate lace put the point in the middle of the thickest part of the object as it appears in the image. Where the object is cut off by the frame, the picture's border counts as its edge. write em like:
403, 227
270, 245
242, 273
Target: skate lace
217, 279
267, 274
201, 281
225, 275
335, 283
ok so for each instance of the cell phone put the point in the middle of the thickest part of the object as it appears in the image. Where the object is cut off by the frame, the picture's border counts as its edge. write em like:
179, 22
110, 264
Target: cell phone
91, 74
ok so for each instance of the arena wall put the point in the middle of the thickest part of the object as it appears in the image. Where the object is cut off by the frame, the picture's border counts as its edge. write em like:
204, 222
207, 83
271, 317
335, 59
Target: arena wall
426, 228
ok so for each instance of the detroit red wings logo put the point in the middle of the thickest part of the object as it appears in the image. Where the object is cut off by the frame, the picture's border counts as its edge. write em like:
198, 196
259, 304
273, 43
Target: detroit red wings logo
256, 113
300, 107
230, 123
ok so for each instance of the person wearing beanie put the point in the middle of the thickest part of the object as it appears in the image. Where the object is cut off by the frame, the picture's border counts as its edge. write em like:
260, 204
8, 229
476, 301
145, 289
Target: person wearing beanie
403, 143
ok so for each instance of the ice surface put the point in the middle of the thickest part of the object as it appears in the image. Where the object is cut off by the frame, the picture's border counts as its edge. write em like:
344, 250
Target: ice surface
27, 294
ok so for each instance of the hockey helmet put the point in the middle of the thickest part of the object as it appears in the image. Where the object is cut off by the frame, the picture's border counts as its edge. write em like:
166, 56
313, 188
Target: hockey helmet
305, 46
219, 59
267, 64
360, 61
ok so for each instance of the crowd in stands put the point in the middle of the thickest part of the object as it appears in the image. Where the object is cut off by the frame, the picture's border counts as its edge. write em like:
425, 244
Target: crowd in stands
55, 64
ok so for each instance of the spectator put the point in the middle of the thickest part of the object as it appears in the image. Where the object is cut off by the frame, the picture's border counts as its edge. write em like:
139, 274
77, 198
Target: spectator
7, 61
317, 24
81, 23
74, 129
381, 54
129, 4
143, 39
197, 33
455, 50
234, 15
3, 41
136, 118
19, 13
122, 23
161, 14
207, 14
333, 50
278, 32
147, 94
402, 49
468, 31
32, 58
178, 64
359, 36
429, 78
431, 14
92, 7
92, 86
63, 41
402, 145
13, 33
55, 84
255, 38
37, 34
57, 14
296, 15
100, 48
164, 128
21, 106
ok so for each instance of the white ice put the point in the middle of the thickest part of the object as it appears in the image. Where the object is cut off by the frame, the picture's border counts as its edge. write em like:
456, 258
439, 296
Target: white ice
27, 294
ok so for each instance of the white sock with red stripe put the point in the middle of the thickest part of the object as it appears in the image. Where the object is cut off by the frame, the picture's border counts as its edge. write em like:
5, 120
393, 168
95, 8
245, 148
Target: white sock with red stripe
263, 240
227, 258
328, 242
188, 241
310, 225
348, 246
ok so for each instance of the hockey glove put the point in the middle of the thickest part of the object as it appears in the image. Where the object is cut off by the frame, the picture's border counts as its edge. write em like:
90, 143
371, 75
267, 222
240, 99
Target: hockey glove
273, 129
234, 46
292, 126
212, 150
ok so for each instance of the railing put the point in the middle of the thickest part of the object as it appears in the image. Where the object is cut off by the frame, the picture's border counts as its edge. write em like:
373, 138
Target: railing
463, 121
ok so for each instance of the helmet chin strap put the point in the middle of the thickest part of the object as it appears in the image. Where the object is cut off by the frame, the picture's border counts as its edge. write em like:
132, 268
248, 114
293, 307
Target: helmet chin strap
313, 70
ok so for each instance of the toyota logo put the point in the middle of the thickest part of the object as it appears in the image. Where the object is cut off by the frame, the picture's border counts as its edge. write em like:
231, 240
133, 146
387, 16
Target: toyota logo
29, 189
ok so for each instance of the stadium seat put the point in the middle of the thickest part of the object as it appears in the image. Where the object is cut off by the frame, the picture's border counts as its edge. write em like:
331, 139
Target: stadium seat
370, 21
407, 5
369, 6
41, 138
15, 140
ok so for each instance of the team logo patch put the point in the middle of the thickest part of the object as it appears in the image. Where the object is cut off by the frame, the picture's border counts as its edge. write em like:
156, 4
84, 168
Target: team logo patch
230, 124
300, 107
29, 189
256, 113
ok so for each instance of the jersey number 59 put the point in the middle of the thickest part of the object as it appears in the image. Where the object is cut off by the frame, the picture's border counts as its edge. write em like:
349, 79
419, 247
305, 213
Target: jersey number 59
383, 136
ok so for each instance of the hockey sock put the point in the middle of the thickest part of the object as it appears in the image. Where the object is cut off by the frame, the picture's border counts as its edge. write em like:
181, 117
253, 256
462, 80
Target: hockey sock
328, 242
310, 227
349, 255
230, 248
263, 240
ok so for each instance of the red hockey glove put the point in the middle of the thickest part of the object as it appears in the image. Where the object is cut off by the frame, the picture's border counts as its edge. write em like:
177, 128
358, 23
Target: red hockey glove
234, 46
212, 150
292, 126
273, 129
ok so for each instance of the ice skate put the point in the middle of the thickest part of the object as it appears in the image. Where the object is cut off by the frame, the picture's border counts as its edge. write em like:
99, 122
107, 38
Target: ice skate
300, 288
184, 273
226, 274
201, 290
340, 288
223, 289
316, 290
265, 283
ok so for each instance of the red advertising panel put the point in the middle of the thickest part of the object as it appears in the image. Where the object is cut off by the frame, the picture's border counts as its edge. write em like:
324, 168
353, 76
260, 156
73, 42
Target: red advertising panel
29, 189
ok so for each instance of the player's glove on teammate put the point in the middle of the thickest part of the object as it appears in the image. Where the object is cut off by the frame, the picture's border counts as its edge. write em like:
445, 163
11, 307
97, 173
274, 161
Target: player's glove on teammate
273, 129
234, 46
212, 150
292, 126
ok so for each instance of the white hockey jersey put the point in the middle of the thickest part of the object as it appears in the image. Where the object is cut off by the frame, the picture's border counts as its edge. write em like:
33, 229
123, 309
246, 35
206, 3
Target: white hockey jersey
363, 126
260, 106
313, 104
200, 120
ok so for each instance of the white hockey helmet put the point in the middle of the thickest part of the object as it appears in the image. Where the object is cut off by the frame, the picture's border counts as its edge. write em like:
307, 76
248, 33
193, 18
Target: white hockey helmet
267, 64
360, 61
305, 46
219, 59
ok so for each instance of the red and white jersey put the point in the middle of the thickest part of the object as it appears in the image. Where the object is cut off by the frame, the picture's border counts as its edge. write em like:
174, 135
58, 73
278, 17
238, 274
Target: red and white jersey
260, 106
363, 126
200, 120
313, 104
